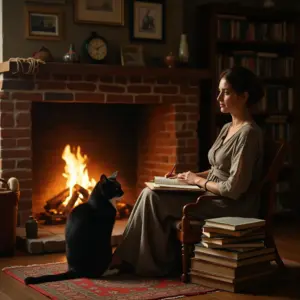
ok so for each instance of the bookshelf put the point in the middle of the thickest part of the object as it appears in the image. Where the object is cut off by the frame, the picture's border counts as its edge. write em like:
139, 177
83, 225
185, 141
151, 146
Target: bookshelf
265, 41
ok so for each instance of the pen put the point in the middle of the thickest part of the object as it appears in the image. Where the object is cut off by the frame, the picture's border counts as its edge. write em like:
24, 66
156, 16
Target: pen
173, 169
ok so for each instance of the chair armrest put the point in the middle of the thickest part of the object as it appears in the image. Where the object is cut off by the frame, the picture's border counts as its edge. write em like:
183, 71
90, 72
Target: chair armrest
187, 235
191, 206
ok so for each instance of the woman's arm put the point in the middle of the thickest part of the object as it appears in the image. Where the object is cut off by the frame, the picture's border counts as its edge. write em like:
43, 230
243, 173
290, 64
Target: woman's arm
210, 186
203, 174
241, 170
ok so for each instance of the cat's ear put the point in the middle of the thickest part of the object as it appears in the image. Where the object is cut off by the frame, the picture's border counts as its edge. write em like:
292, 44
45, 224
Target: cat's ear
103, 178
114, 175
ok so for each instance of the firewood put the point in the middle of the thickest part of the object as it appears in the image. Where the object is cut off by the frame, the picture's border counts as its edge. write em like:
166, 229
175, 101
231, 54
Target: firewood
55, 201
85, 193
71, 203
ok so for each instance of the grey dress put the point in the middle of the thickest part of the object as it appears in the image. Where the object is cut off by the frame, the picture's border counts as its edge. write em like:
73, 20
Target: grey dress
236, 165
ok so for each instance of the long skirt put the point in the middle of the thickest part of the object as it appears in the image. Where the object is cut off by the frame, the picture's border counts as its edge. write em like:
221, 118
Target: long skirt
148, 244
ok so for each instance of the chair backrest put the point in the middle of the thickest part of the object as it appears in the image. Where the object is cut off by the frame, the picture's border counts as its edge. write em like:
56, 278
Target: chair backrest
274, 154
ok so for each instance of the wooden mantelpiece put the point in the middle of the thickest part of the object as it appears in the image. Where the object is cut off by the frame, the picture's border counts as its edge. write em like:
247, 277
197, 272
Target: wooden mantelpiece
109, 70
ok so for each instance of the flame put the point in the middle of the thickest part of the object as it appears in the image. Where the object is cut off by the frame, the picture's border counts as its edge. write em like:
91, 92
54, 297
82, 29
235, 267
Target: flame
76, 172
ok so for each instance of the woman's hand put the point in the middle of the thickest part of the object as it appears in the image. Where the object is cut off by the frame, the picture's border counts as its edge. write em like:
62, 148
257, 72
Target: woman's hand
189, 177
173, 175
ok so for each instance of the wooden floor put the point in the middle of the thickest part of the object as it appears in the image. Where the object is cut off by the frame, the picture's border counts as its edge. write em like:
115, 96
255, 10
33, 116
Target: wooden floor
287, 234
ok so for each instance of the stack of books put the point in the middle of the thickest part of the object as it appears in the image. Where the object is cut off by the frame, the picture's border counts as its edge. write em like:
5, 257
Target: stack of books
232, 254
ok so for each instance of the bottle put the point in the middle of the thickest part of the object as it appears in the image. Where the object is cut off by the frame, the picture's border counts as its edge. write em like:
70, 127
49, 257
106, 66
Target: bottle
31, 228
183, 50
71, 56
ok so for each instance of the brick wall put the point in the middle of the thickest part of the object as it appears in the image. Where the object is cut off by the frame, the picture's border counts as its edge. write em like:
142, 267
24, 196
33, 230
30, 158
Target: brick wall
167, 125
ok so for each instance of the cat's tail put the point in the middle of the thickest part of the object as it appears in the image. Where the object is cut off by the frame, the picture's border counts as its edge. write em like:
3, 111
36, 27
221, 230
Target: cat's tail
50, 278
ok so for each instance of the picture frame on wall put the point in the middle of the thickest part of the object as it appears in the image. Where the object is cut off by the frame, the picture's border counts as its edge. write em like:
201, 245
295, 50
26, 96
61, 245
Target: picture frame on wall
132, 55
46, 1
147, 21
43, 23
105, 12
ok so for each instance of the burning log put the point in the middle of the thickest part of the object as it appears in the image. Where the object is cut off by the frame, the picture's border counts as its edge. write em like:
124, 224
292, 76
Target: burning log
71, 203
85, 194
56, 205
57, 200
52, 218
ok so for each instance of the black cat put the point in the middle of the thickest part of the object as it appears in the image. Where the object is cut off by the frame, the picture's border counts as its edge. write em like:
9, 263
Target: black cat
88, 234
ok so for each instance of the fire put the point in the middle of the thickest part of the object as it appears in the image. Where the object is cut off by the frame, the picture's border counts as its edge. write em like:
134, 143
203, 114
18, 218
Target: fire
76, 172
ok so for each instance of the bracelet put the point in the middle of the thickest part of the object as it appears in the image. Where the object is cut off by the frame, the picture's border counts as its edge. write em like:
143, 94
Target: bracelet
206, 184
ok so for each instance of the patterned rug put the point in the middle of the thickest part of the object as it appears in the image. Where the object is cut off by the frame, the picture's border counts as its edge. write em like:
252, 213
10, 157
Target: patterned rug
117, 287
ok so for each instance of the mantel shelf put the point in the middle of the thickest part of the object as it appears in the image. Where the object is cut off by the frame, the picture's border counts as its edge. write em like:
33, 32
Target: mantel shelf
110, 70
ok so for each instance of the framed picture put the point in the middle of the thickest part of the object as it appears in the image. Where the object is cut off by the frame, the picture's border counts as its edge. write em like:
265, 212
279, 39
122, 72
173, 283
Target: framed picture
148, 20
132, 55
47, 1
43, 23
108, 12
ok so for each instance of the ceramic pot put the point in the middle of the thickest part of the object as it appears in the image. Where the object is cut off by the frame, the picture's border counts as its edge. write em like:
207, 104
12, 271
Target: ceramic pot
170, 60
43, 54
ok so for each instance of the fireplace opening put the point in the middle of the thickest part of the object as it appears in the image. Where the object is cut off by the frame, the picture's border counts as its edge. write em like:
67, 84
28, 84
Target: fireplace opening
96, 139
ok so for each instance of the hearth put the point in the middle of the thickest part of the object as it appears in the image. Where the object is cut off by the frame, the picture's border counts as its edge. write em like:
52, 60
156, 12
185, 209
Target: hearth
139, 121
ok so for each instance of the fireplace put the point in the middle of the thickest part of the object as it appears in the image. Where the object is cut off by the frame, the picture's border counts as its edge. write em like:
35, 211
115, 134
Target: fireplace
106, 134
139, 121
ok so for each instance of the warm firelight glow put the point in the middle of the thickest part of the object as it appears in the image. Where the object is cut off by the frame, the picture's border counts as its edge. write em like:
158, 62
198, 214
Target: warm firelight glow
76, 171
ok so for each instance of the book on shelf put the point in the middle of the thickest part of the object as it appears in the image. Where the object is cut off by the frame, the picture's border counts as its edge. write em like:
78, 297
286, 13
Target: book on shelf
238, 28
171, 184
263, 64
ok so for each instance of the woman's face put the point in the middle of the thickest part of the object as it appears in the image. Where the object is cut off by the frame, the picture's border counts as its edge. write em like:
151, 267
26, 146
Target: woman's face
229, 100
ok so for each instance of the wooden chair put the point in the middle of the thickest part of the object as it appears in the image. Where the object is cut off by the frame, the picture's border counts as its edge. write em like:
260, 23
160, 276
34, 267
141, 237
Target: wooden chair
189, 233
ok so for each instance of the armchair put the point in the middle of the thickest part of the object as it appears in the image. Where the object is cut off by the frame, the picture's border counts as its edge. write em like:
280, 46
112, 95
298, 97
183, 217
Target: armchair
189, 233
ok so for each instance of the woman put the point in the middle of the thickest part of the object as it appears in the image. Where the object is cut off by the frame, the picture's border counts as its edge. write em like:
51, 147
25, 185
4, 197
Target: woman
236, 165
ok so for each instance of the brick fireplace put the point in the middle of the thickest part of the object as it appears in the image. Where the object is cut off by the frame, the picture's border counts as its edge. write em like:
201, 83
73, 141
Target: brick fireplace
145, 120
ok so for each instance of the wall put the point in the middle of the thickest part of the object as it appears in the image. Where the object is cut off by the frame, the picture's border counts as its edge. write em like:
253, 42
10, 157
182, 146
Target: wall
16, 45
180, 17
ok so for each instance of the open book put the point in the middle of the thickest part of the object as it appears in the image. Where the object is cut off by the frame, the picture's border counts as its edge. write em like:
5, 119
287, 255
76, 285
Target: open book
163, 183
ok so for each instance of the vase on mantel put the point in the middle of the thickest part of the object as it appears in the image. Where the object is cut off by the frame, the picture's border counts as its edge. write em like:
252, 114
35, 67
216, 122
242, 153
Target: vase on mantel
183, 55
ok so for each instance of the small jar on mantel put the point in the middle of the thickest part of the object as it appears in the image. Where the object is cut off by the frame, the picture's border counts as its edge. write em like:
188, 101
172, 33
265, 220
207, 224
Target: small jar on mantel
170, 60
